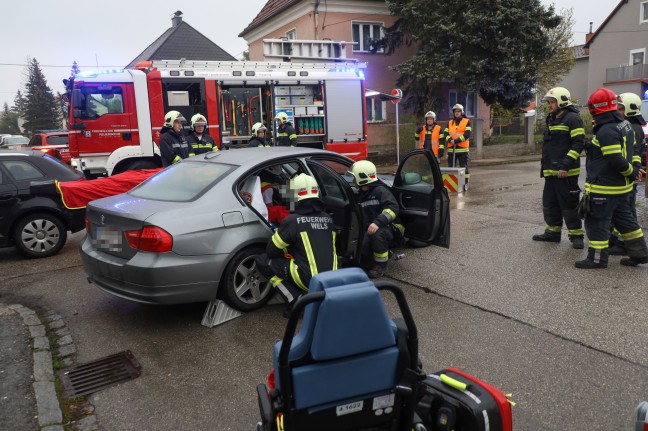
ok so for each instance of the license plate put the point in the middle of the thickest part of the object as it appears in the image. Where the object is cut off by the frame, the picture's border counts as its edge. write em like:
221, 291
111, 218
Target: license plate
349, 408
107, 239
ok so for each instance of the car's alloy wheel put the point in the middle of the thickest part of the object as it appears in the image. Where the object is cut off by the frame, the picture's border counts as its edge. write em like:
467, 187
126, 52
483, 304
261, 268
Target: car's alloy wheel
245, 288
40, 235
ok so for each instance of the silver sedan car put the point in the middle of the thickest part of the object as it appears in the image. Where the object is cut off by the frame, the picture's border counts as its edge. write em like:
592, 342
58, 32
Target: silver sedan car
191, 232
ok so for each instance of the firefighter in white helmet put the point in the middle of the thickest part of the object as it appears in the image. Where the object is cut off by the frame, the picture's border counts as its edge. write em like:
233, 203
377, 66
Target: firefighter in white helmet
258, 136
173, 144
199, 140
287, 136
430, 136
304, 244
457, 136
380, 214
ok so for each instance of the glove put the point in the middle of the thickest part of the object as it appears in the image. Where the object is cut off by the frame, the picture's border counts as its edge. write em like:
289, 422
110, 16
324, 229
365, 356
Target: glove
441, 151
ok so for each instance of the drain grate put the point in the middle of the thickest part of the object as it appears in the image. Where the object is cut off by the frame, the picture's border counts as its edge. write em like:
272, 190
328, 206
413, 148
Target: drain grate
94, 376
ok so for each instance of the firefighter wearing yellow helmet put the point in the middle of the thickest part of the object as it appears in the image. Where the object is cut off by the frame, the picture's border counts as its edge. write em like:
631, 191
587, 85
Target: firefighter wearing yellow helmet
457, 136
258, 136
173, 144
199, 140
430, 136
304, 244
380, 214
564, 140
286, 136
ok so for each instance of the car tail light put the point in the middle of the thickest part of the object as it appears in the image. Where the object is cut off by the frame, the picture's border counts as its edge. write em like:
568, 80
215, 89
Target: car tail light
150, 238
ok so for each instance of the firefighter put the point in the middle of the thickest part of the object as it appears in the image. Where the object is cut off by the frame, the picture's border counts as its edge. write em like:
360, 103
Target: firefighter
287, 137
200, 141
304, 244
259, 138
430, 136
564, 140
457, 136
380, 215
173, 144
610, 179
630, 106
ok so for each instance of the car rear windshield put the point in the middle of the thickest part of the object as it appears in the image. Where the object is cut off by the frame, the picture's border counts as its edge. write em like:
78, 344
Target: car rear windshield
182, 182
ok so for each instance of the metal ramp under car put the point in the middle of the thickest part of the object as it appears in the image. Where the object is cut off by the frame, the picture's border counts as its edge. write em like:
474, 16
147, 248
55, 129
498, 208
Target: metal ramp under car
218, 312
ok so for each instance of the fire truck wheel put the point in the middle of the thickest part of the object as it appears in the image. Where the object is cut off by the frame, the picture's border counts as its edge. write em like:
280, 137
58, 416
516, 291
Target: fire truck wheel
243, 287
142, 164
39, 235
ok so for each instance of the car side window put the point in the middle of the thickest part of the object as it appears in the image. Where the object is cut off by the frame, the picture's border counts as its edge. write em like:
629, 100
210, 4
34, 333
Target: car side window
329, 183
21, 170
416, 174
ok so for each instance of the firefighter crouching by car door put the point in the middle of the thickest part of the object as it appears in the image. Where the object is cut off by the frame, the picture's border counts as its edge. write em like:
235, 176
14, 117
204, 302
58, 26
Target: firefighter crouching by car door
457, 136
564, 140
304, 244
287, 136
380, 215
610, 179
173, 144
630, 106
200, 141
430, 137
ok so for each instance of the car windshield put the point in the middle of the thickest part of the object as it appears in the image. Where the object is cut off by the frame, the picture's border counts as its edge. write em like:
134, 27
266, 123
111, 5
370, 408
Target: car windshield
182, 182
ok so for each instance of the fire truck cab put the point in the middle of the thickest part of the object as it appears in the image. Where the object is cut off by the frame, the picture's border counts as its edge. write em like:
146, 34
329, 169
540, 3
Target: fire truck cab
116, 116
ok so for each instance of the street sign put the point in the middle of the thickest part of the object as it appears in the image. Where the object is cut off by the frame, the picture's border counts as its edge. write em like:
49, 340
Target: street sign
398, 95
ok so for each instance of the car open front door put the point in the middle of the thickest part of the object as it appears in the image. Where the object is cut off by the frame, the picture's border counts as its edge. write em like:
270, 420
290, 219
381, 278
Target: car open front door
424, 202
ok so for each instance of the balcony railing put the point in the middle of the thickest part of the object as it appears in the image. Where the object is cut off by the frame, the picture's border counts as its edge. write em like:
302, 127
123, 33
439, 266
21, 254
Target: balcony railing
626, 73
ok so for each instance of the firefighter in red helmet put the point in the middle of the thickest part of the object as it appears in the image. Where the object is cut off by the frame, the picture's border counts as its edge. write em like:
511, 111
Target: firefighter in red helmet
610, 179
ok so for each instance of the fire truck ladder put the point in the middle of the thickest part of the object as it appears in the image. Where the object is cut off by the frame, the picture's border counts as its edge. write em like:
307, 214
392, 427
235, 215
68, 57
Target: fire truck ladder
250, 65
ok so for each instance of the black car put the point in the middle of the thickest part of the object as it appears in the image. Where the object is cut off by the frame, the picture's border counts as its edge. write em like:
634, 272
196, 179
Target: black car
32, 215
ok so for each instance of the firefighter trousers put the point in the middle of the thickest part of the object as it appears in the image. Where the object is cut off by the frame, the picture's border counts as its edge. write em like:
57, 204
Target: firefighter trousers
559, 201
608, 210
461, 160
375, 248
277, 271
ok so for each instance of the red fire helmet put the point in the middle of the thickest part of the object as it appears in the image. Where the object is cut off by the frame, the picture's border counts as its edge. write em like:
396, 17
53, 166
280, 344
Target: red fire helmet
602, 100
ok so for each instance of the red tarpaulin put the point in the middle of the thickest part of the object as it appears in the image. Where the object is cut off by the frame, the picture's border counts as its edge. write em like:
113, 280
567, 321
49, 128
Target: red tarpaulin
77, 194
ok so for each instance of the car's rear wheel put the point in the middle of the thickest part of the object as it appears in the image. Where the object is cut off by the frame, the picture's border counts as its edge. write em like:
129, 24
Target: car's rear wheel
40, 235
244, 288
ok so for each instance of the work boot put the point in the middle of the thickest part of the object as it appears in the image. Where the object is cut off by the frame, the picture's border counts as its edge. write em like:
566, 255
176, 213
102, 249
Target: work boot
577, 242
618, 250
595, 259
376, 272
637, 252
547, 237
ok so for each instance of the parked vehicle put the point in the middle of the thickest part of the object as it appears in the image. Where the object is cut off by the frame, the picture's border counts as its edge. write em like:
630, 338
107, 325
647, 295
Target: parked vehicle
116, 116
52, 142
190, 234
14, 142
32, 217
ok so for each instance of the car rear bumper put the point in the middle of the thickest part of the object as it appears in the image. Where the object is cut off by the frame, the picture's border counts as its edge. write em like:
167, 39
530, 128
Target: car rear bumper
154, 278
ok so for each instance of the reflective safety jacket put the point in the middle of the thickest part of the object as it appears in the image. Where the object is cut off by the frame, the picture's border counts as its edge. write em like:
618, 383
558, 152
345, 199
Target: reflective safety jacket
378, 205
640, 138
257, 142
201, 145
173, 146
459, 132
609, 158
430, 139
307, 238
564, 140
287, 137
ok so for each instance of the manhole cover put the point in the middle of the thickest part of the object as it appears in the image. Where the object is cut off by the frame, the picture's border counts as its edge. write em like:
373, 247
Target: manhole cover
94, 376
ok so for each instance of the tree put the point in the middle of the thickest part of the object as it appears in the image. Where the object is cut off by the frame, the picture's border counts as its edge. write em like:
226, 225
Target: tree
19, 103
9, 121
559, 64
492, 47
41, 110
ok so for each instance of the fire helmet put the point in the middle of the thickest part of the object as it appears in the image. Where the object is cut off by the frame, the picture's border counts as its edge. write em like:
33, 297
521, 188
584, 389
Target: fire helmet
198, 120
304, 187
258, 127
173, 116
561, 94
430, 114
364, 172
602, 101
458, 107
632, 104
282, 117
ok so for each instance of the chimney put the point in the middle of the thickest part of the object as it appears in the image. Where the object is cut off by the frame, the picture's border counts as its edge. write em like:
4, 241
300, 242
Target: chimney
176, 19
589, 35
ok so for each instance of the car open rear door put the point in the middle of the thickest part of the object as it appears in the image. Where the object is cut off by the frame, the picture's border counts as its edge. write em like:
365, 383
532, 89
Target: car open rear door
424, 202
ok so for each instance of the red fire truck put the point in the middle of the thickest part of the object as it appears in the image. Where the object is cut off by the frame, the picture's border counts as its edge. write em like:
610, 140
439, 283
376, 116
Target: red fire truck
116, 116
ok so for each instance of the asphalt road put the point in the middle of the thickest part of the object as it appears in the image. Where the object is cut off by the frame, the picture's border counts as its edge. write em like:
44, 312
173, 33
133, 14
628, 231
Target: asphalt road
570, 345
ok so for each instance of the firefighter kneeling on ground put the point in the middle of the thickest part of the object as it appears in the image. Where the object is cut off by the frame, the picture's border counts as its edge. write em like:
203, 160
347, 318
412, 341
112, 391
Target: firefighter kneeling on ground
430, 136
173, 144
380, 213
610, 179
200, 141
304, 244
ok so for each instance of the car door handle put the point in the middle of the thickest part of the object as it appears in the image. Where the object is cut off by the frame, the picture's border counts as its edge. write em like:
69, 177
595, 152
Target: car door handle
407, 197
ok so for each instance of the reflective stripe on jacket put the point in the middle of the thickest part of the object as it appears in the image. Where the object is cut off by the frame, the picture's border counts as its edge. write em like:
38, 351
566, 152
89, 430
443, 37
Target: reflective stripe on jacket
563, 143
433, 137
459, 132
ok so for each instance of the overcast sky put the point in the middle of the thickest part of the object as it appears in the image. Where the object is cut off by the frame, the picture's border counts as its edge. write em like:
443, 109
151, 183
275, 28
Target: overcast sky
110, 34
